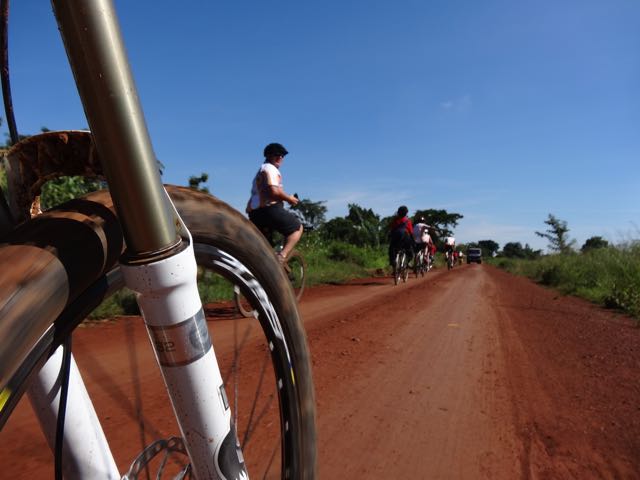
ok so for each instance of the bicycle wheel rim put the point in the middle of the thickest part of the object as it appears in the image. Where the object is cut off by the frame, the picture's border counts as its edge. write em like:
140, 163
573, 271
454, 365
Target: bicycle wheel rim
267, 450
211, 222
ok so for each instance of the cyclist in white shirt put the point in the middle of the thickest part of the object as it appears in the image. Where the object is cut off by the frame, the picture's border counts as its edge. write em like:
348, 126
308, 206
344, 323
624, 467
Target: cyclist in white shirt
266, 205
421, 235
449, 246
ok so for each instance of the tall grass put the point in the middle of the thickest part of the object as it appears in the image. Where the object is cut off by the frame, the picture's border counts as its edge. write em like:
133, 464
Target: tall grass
608, 276
336, 262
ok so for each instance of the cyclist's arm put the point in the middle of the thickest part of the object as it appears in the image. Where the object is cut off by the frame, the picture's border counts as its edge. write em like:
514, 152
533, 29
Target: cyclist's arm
278, 193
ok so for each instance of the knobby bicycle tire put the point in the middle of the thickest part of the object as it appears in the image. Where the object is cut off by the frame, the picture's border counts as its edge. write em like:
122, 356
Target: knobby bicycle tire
227, 244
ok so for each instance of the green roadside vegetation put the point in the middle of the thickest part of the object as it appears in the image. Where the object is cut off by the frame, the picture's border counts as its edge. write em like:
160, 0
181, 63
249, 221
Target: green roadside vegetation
327, 262
608, 276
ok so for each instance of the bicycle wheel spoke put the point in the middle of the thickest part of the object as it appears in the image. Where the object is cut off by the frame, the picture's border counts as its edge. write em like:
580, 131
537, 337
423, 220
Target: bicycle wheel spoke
137, 394
250, 424
236, 351
270, 462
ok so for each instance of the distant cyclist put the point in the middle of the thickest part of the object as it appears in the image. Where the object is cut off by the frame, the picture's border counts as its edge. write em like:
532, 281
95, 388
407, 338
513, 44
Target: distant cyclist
449, 246
266, 205
421, 236
400, 234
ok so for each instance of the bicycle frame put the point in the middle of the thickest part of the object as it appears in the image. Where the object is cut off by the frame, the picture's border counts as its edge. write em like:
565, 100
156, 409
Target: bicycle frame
158, 264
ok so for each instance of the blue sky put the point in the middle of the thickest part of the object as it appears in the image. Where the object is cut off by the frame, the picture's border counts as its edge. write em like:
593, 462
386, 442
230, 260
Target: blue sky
501, 110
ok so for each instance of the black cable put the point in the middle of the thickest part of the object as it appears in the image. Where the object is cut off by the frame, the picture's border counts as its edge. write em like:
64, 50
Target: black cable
6, 90
4, 71
62, 407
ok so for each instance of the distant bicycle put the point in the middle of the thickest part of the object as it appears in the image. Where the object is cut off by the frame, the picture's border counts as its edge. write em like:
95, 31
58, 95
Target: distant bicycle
450, 260
400, 266
420, 264
429, 259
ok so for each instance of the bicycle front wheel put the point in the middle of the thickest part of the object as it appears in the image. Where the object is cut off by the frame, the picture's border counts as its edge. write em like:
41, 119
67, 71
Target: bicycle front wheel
265, 362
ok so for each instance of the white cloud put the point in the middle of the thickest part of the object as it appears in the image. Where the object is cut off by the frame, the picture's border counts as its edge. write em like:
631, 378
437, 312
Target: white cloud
460, 104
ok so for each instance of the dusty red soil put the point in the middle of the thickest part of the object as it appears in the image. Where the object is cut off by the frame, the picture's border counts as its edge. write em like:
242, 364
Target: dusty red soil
468, 374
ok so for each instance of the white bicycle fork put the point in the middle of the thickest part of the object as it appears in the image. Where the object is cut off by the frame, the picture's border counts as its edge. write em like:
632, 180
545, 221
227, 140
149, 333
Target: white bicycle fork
168, 298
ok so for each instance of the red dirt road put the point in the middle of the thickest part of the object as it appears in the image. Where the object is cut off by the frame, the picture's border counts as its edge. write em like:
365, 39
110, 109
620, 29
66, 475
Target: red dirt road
468, 374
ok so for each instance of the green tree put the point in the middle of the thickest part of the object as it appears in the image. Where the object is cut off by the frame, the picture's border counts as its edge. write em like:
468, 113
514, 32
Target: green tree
489, 247
194, 182
594, 243
366, 223
338, 228
516, 250
513, 250
557, 235
312, 213
361, 226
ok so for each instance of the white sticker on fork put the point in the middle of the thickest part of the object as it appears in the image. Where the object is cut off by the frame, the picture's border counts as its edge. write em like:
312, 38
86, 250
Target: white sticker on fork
182, 343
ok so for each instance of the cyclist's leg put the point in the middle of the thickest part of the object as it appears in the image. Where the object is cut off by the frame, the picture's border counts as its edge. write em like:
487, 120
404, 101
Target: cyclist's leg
291, 241
288, 225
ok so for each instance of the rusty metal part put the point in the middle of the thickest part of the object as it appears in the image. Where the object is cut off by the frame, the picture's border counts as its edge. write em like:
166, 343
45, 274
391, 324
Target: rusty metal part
37, 159
46, 263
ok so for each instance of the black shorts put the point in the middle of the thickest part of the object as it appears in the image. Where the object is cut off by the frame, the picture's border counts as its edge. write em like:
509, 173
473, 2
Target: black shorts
275, 217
